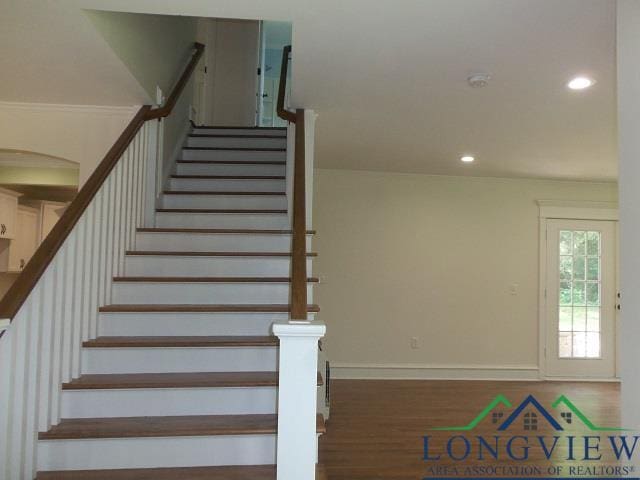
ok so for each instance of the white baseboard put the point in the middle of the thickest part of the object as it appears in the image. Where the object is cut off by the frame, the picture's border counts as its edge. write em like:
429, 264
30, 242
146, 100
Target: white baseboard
371, 371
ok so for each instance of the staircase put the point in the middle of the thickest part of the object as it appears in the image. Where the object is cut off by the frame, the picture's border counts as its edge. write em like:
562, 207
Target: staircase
181, 381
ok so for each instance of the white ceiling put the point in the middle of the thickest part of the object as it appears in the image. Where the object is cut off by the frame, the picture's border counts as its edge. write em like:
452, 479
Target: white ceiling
388, 79
51, 53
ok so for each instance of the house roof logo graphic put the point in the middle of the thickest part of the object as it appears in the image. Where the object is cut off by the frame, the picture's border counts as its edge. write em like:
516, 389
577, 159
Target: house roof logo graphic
528, 404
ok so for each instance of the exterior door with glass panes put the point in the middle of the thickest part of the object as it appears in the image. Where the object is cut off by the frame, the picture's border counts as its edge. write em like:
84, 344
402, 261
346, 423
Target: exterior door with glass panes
581, 299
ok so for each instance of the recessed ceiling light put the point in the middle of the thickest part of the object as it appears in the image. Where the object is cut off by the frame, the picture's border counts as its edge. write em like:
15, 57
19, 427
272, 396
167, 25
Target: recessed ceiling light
580, 83
479, 80
467, 159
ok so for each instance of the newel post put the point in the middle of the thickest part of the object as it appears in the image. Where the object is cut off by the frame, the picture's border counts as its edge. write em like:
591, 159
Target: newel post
297, 397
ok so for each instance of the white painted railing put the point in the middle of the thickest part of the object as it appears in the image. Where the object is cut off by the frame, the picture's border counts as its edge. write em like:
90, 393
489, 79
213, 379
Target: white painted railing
40, 348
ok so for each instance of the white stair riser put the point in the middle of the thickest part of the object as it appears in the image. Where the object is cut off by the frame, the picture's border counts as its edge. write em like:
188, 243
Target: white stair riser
240, 131
148, 265
201, 293
235, 155
207, 242
170, 324
94, 454
225, 185
262, 221
168, 402
226, 142
169, 360
226, 202
229, 169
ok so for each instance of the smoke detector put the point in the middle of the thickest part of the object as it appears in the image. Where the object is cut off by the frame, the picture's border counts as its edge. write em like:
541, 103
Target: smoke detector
479, 80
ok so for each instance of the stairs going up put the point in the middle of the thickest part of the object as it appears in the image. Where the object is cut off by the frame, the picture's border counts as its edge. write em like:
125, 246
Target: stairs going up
181, 382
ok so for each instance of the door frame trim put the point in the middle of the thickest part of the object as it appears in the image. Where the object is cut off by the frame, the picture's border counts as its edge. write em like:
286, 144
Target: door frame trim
565, 210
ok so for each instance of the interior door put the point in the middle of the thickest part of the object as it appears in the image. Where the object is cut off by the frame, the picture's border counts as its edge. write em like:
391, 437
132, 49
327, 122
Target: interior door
581, 299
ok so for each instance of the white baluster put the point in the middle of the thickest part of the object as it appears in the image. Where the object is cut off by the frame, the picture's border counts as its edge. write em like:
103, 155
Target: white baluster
89, 306
19, 392
58, 328
142, 162
48, 337
107, 273
135, 197
151, 174
34, 307
129, 193
7, 374
69, 247
102, 249
117, 206
97, 254
78, 298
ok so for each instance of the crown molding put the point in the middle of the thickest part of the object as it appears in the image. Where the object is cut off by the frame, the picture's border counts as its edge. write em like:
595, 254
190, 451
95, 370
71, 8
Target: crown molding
123, 110
578, 209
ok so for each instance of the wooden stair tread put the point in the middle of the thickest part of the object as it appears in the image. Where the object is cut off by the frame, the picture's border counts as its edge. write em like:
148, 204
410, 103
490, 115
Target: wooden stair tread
236, 127
182, 341
230, 177
244, 194
218, 210
231, 162
241, 149
221, 135
167, 426
232, 231
212, 254
200, 308
233, 472
175, 380
209, 279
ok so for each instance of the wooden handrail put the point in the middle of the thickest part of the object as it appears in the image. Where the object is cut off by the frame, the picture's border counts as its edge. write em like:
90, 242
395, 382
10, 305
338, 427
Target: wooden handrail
299, 241
298, 301
16, 296
283, 113
167, 108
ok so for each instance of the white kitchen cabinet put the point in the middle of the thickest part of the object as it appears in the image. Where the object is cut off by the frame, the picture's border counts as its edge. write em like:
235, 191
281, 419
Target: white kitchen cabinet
50, 213
26, 241
8, 213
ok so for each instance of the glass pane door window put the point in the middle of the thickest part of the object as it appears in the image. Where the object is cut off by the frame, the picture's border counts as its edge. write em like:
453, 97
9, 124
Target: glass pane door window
579, 276
580, 298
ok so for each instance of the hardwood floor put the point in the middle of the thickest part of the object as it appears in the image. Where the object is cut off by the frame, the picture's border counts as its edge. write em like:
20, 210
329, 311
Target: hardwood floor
376, 428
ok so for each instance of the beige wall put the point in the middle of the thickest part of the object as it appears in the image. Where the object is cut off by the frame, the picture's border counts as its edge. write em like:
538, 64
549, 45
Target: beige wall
432, 257
82, 134
38, 176
154, 48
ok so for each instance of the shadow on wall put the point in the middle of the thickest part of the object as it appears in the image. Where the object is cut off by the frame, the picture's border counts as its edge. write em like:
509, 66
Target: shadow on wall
35, 190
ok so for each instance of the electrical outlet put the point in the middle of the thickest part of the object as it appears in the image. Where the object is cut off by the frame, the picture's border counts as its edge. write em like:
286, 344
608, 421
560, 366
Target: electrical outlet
415, 343
513, 289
